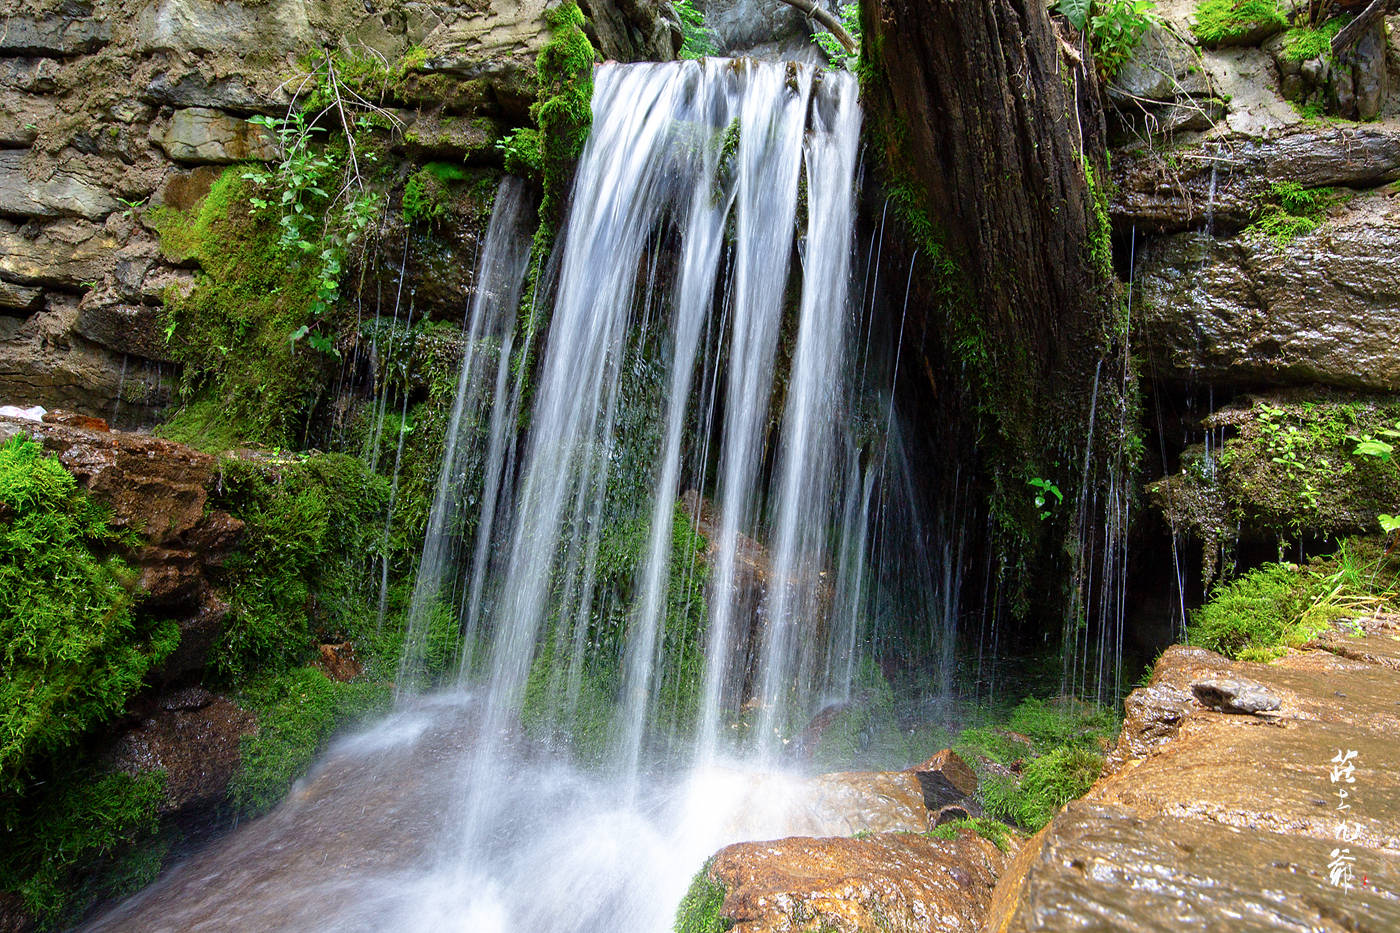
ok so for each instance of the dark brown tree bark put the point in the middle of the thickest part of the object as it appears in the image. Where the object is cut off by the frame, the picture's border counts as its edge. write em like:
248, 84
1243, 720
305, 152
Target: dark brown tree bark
989, 123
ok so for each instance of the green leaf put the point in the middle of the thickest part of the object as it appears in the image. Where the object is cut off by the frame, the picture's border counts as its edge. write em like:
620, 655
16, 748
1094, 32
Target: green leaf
1076, 11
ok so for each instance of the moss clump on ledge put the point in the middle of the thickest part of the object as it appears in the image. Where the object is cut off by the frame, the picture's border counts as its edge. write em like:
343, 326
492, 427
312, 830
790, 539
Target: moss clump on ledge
1237, 22
702, 908
1043, 755
1291, 468
1307, 42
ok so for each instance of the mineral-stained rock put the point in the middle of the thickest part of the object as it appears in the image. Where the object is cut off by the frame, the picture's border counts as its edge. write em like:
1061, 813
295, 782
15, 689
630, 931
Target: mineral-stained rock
860, 801
338, 662
899, 883
74, 419
201, 134
18, 297
1321, 308
65, 253
1223, 180
123, 326
1220, 822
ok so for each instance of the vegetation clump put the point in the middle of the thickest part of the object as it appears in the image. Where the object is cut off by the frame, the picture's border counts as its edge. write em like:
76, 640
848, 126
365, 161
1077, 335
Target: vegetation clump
697, 39
1237, 22
1047, 753
298, 710
1283, 605
427, 191
85, 835
702, 908
1289, 211
1115, 28
1307, 42
75, 647
994, 831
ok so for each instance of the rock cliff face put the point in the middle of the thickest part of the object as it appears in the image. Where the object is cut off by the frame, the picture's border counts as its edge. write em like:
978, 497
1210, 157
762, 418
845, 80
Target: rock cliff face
110, 109
1285, 819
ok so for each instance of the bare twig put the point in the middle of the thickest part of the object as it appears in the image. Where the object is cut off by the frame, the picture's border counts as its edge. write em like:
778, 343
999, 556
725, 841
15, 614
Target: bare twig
823, 16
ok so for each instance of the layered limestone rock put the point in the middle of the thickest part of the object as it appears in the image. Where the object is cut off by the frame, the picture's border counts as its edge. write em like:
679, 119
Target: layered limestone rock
108, 107
1222, 820
1321, 308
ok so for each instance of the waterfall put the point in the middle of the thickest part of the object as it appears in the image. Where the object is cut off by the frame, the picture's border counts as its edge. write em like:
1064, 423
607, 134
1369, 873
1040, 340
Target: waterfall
660, 575
699, 184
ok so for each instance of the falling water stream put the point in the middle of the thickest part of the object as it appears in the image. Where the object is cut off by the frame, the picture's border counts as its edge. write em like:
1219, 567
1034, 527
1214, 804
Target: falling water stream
708, 248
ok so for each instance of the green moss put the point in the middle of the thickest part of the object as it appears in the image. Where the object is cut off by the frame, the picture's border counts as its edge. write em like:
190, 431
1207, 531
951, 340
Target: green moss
85, 834
297, 712
1305, 42
1046, 784
231, 332
1228, 22
563, 112
1289, 211
73, 647
427, 191
305, 568
994, 831
702, 908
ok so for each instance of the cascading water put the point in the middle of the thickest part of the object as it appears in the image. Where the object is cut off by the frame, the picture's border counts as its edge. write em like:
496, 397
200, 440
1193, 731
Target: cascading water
683, 386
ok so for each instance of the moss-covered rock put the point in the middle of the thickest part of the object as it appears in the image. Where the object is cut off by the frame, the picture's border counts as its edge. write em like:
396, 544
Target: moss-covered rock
1289, 467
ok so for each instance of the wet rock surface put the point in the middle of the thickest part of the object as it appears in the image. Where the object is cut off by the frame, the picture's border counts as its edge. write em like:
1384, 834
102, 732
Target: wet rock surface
1215, 821
193, 736
893, 882
1322, 308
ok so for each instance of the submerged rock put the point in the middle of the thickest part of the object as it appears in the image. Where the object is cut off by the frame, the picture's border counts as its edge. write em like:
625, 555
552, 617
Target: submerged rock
898, 883
1211, 821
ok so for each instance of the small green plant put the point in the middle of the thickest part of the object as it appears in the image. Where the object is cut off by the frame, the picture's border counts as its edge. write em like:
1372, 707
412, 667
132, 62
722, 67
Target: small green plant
1380, 446
1231, 22
1115, 28
520, 151
427, 191
697, 39
1043, 490
836, 53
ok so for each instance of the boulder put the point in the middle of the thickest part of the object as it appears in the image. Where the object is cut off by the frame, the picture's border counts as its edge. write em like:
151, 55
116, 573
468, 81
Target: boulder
944, 779
20, 298
1227, 822
1222, 181
1162, 68
1235, 695
64, 253
201, 134
900, 883
1322, 308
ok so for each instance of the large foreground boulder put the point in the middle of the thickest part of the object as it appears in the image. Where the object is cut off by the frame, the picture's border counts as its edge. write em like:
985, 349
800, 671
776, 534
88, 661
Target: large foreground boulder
1218, 820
